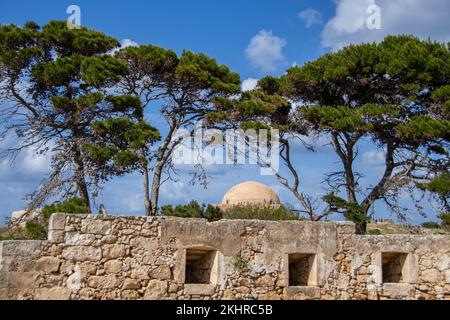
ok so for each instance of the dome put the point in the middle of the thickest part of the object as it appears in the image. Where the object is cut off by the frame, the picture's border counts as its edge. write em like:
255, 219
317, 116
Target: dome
250, 192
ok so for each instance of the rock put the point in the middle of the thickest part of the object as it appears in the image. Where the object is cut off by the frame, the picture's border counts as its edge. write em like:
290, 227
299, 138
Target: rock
114, 251
113, 266
265, 281
95, 226
82, 253
23, 248
397, 290
199, 289
131, 284
447, 276
130, 295
77, 239
243, 290
57, 221
270, 296
18, 279
55, 293
430, 275
56, 236
156, 289
48, 264
161, 272
102, 282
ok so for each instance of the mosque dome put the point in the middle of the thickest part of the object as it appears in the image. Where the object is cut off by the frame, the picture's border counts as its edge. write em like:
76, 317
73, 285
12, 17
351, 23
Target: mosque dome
250, 192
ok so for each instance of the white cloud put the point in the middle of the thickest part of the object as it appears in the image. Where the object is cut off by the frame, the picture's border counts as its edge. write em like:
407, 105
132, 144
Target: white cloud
310, 16
132, 202
249, 84
35, 163
175, 190
124, 43
425, 19
265, 51
374, 158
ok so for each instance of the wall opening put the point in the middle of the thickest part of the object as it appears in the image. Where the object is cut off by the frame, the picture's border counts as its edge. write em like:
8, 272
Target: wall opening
201, 265
302, 269
393, 266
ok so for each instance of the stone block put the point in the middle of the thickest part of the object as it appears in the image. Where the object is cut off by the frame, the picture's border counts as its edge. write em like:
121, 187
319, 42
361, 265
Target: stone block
156, 289
397, 290
23, 248
114, 251
57, 221
56, 236
95, 226
82, 253
131, 284
77, 239
113, 266
199, 289
161, 272
55, 293
302, 293
18, 279
48, 264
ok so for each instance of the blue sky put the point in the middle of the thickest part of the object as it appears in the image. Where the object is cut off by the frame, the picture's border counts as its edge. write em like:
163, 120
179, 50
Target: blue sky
252, 37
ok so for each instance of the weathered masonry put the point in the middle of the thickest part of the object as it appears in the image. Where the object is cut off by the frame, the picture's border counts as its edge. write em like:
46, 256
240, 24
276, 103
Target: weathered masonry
106, 257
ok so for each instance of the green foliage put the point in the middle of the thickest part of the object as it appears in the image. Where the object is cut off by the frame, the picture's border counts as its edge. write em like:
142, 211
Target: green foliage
205, 73
119, 144
260, 213
351, 210
431, 225
424, 128
445, 219
374, 232
239, 263
439, 185
190, 210
74, 205
102, 70
35, 230
212, 213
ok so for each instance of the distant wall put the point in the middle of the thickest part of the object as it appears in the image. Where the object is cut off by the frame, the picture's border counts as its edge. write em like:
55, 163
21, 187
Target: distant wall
106, 257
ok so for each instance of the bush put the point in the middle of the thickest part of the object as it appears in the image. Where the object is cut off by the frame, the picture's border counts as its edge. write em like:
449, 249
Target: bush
212, 213
239, 263
431, 225
445, 219
35, 231
260, 213
190, 210
74, 205
373, 232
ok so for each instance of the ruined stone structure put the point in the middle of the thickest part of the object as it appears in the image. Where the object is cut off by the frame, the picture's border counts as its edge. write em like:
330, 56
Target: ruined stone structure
110, 257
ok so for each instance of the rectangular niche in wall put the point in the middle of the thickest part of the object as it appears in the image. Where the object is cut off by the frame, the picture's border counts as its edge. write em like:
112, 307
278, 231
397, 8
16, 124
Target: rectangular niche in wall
201, 266
394, 267
302, 269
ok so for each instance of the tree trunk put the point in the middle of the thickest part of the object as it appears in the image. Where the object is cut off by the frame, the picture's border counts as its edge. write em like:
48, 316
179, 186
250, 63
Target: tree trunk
156, 183
360, 227
147, 203
80, 179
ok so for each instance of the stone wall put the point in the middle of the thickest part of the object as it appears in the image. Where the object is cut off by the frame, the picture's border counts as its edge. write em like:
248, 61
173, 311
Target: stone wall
106, 257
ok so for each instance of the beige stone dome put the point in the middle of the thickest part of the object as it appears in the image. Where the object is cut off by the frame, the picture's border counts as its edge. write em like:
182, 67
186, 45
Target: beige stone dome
250, 192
